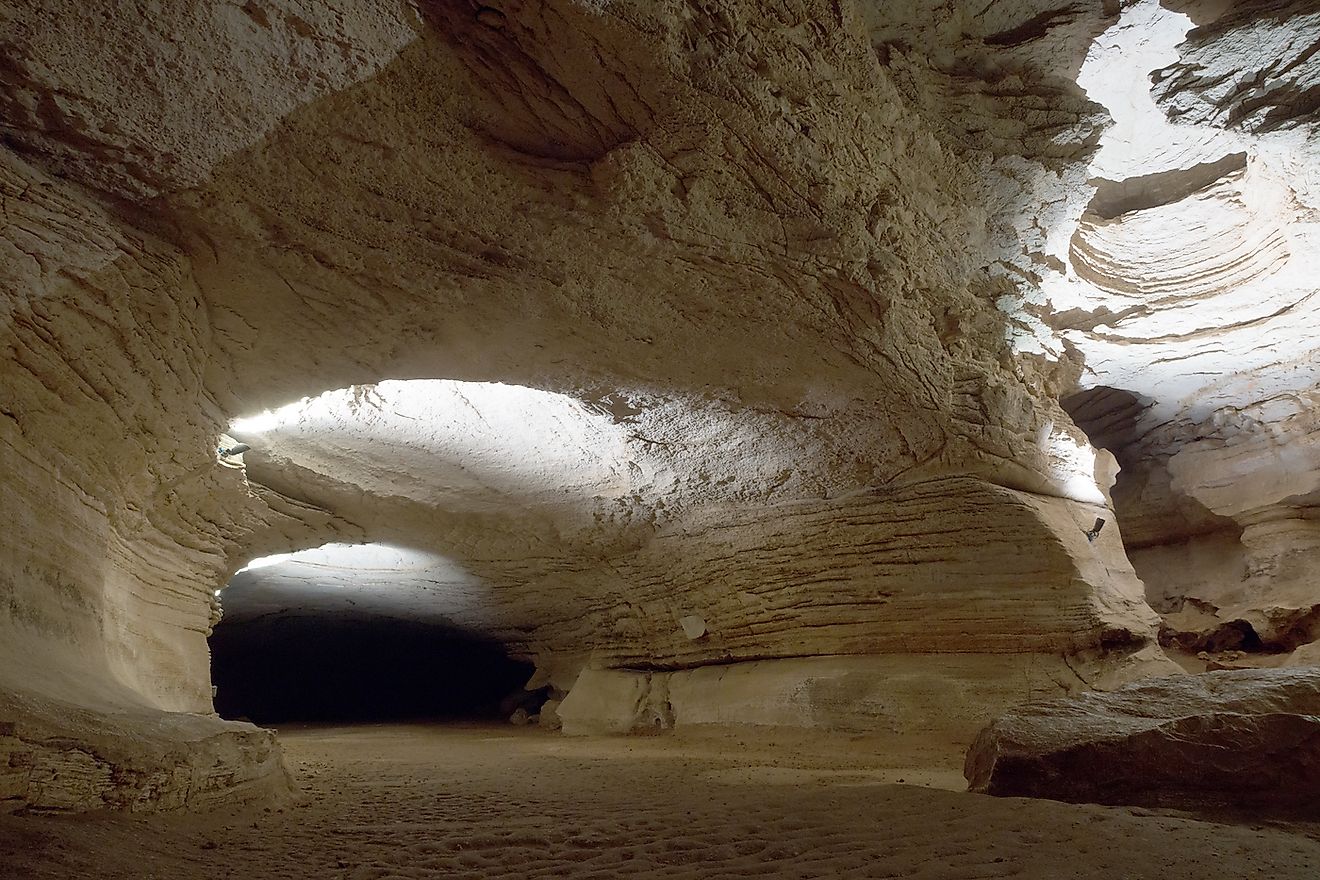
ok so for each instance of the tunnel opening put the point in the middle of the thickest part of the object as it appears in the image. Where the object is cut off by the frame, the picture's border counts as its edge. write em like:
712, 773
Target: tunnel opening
355, 667
425, 467
358, 633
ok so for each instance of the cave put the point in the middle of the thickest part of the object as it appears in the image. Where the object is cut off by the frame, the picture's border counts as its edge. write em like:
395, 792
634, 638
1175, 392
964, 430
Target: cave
700, 437
350, 668
323, 636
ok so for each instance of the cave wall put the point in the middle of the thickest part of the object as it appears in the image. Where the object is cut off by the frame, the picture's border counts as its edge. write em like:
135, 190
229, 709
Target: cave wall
115, 531
815, 230
1189, 291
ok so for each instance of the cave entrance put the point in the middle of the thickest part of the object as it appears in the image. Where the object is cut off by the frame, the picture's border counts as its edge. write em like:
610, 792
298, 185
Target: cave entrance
357, 633
419, 463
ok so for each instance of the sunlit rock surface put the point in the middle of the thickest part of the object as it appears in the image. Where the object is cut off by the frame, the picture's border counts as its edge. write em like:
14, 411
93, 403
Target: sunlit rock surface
570, 528
1190, 289
1240, 739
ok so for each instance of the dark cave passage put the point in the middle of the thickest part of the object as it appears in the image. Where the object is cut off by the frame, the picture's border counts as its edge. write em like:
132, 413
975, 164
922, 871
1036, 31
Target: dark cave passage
344, 667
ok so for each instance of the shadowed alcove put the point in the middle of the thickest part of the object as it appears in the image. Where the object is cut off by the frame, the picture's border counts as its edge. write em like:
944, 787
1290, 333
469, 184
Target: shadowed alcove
356, 632
353, 667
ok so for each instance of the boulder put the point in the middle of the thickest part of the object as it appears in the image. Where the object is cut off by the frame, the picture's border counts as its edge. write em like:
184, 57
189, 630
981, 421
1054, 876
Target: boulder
1232, 739
550, 715
57, 757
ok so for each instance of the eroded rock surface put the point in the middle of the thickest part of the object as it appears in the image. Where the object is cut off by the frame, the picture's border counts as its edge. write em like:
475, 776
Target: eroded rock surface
785, 271
933, 700
1189, 289
1230, 739
106, 754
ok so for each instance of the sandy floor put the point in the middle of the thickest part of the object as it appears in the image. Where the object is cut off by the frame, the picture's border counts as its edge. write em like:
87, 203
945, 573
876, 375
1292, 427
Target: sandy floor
383, 802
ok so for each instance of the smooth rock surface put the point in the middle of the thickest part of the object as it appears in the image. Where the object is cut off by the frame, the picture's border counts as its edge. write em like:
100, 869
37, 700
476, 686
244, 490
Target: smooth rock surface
1228, 739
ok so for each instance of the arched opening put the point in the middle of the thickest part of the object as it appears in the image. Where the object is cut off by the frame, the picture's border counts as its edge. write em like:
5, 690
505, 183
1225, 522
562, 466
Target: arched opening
425, 495
364, 632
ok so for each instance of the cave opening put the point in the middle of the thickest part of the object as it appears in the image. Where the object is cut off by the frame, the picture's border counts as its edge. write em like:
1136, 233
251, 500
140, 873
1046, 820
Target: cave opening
358, 668
356, 633
394, 628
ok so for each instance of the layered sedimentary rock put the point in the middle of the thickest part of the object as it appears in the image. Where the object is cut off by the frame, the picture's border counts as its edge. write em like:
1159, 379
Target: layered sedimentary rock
117, 520
1189, 289
783, 266
526, 502
587, 535
913, 702
1236, 739
104, 753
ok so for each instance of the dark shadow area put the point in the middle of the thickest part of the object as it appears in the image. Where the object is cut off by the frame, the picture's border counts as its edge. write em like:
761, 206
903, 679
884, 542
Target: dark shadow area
1236, 635
1109, 416
337, 667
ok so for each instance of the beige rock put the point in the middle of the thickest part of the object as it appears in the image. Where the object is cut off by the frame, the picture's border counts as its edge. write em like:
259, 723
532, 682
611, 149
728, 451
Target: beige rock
550, 719
1234, 739
610, 701
59, 757
1306, 655
1187, 288
768, 287
928, 699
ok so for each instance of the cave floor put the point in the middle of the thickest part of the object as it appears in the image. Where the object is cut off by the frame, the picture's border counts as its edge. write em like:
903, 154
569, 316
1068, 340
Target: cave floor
442, 801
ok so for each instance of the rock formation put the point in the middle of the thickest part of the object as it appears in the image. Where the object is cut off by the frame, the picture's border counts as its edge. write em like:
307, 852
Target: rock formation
1241, 739
1189, 288
613, 319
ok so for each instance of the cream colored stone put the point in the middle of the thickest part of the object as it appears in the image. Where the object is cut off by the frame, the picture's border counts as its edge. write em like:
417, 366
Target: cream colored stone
1188, 289
605, 701
764, 289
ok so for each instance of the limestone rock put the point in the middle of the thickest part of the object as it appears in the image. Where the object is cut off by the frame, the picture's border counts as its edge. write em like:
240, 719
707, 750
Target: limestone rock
611, 701
846, 575
1188, 290
940, 698
782, 268
58, 757
550, 719
1247, 68
1306, 655
1231, 739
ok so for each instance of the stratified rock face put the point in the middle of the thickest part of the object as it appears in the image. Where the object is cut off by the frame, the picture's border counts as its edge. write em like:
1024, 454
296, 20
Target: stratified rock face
100, 754
930, 700
768, 262
1190, 290
1243, 738
1250, 68
117, 520
627, 523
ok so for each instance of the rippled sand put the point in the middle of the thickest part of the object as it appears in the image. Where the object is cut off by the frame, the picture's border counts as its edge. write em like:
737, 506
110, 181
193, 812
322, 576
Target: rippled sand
420, 801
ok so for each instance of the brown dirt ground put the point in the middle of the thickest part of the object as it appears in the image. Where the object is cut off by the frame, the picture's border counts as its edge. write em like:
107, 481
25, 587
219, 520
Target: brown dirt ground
409, 801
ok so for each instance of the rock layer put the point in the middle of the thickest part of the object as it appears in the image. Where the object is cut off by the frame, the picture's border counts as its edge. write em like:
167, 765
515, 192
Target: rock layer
924, 700
1188, 289
1234, 739
101, 754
